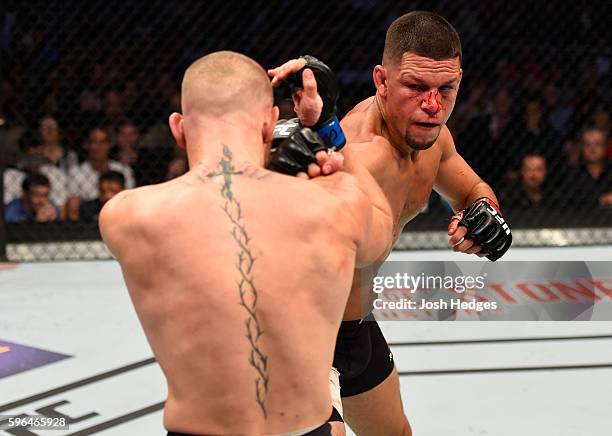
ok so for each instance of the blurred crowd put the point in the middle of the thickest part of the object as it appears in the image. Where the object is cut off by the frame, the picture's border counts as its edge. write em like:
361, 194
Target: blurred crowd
77, 183
88, 86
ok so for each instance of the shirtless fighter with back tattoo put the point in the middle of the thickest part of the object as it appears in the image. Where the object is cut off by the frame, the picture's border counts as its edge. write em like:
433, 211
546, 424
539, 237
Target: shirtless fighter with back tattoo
240, 275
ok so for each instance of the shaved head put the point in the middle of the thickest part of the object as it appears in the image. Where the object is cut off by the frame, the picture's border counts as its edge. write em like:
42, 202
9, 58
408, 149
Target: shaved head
225, 82
423, 33
226, 98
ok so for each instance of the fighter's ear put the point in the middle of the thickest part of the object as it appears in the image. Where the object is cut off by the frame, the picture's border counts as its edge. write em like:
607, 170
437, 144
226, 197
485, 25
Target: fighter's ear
176, 127
380, 80
269, 124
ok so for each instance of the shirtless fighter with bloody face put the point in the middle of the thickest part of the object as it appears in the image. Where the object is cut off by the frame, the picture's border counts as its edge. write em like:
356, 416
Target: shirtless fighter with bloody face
400, 135
240, 275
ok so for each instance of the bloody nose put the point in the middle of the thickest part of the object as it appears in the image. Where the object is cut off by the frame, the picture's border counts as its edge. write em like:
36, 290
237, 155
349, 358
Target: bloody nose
431, 103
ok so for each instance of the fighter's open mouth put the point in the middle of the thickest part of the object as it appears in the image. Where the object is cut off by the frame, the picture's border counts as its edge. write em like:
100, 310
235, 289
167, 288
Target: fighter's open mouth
427, 124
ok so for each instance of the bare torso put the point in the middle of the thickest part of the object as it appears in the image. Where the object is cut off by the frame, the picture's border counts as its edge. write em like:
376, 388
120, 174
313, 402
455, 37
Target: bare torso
406, 181
239, 281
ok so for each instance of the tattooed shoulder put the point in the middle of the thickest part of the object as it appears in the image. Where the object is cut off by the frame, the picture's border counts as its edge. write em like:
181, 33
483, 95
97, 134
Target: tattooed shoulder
226, 168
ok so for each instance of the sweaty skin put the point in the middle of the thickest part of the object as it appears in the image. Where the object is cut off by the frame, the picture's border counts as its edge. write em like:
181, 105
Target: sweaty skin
239, 275
191, 246
400, 136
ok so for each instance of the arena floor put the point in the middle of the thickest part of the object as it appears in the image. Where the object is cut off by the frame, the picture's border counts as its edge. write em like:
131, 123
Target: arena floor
70, 341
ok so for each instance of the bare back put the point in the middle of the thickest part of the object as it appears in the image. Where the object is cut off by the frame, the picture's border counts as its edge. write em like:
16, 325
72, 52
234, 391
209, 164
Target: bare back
239, 277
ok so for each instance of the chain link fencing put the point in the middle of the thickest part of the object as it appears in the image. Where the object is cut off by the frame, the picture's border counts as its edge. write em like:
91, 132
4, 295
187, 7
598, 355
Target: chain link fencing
87, 88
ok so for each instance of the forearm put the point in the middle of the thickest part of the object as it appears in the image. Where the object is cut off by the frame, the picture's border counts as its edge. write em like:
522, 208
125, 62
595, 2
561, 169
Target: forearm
478, 190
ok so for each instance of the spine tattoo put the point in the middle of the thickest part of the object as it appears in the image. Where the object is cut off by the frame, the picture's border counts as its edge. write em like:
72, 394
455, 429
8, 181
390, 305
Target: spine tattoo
246, 287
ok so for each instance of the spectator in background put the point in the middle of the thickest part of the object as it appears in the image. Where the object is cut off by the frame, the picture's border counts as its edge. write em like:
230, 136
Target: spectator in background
599, 119
84, 178
34, 204
148, 165
125, 150
591, 182
530, 190
110, 184
34, 161
51, 138
14, 175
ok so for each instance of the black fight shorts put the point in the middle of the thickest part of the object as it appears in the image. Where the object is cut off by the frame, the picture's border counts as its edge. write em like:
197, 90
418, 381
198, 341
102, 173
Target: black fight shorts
362, 356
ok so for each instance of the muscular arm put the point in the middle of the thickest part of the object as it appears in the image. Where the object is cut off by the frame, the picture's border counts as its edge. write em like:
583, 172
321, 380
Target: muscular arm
378, 240
456, 180
366, 211
462, 187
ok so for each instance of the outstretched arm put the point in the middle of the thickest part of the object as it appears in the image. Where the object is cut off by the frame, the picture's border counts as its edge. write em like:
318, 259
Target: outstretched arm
377, 242
478, 227
365, 209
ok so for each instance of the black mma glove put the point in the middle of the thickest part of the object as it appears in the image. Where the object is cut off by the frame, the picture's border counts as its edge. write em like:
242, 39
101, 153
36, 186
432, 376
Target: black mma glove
294, 147
487, 227
328, 126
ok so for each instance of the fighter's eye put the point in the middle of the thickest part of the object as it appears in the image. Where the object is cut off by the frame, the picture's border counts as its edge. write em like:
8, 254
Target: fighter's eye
415, 87
446, 88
